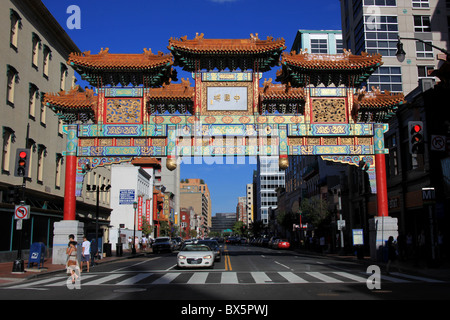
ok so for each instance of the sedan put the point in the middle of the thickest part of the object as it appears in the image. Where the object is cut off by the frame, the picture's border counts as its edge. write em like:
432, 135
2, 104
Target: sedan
195, 255
214, 246
283, 244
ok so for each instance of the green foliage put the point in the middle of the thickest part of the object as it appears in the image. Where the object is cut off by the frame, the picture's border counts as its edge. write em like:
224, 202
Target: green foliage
314, 211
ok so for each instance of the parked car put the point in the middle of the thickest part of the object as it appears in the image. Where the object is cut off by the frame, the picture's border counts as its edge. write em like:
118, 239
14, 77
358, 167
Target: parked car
196, 256
178, 243
272, 242
283, 244
214, 246
162, 244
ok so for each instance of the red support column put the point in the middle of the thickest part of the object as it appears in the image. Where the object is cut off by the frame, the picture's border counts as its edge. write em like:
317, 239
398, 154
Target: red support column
70, 188
382, 198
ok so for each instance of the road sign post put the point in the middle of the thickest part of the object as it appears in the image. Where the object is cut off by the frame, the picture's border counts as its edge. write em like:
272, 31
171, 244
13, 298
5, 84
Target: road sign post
21, 212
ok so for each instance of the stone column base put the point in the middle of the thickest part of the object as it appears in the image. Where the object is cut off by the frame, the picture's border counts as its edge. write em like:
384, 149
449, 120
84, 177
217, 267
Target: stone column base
61, 231
380, 229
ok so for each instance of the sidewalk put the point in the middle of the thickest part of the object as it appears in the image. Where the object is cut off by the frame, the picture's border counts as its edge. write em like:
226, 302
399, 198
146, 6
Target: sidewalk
7, 277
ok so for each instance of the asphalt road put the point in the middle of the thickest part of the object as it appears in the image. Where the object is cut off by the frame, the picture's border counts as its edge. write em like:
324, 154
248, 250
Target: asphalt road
245, 273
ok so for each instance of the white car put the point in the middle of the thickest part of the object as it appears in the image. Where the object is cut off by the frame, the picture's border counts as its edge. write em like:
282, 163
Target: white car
196, 256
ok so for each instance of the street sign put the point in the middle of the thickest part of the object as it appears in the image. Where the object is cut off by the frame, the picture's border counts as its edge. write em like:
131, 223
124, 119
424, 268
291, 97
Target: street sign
358, 237
22, 212
438, 143
428, 195
126, 196
340, 224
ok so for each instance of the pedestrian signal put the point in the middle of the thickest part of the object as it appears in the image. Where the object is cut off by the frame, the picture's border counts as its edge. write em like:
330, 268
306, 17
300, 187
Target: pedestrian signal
22, 162
415, 129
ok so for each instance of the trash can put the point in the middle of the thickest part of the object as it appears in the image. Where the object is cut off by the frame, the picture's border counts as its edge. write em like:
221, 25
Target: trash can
107, 249
119, 249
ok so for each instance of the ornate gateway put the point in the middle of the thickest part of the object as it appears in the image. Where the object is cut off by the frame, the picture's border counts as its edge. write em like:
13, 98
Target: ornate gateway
316, 108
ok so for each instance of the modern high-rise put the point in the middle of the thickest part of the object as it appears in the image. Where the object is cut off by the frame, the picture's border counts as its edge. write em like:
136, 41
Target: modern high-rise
374, 26
268, 178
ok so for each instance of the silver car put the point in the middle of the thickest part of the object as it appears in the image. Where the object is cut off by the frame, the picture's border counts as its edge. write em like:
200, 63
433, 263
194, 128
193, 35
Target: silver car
195, 256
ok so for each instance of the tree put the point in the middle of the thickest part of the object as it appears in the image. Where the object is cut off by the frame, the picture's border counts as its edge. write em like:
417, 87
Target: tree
147, 229
164, 228
314, 211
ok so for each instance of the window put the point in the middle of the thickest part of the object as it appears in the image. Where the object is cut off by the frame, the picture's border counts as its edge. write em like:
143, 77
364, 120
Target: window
12, 79
381, 34
423, 71
64, 73
59, 162
34, 95
16, 24
339, 46
422, 24
424, 50
384, 3
42, 153
47, 58
319, 46
35, 54
8, 139
43, 110
387, 78
420, 3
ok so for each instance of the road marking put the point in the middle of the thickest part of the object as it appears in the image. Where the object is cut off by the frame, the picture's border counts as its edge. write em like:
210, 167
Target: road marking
198, 278
101, 280
227, 262
167, 278
323, 277
229, 278
40, 282
350, 276
133, 265
134, 279
292, 278
260, 277
282, 265
64, 282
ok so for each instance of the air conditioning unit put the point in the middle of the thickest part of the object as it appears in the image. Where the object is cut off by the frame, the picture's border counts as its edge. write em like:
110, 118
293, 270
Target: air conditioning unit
426, 84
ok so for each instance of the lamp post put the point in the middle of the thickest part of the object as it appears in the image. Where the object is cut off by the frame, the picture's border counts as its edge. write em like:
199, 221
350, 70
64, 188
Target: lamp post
97, 189
133, 251
401, 54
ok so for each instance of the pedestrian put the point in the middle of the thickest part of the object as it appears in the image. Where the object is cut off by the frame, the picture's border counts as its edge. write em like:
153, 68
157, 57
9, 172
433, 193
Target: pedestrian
392, 254
86, 253
72, 261
130, 245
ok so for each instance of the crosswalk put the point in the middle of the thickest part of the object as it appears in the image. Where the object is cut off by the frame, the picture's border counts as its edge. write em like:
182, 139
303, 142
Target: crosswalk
217, 277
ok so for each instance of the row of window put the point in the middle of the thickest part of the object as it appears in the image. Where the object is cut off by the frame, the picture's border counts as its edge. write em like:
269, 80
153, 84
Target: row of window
38, 153
36, 47
35, 97
393, 3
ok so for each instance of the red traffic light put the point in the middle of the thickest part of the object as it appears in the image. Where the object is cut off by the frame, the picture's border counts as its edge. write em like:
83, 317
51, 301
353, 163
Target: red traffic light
417, 128
23, 155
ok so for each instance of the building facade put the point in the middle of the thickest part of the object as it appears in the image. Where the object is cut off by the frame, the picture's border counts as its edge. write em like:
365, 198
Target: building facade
34, 50
268, 178
374, 27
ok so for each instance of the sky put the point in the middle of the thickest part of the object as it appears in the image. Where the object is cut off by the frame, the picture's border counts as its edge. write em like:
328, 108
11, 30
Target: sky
132, 25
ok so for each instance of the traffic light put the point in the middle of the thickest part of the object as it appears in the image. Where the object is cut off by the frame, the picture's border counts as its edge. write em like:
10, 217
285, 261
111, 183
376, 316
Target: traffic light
415, 129
22, 162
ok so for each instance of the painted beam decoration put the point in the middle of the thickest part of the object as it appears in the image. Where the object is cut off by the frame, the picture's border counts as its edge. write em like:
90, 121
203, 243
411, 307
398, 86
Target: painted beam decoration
137, 109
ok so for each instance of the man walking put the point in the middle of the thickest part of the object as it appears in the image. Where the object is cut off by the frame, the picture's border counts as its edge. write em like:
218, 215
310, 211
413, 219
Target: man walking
86, 253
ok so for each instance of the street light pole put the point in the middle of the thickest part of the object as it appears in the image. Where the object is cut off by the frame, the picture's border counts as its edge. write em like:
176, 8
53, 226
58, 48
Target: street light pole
133, 251
401, 54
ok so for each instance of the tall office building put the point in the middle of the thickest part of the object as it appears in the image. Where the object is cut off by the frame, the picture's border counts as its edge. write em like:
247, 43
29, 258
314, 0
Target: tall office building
374, 26
268, 178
